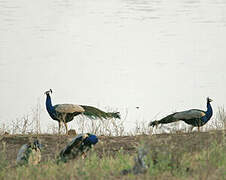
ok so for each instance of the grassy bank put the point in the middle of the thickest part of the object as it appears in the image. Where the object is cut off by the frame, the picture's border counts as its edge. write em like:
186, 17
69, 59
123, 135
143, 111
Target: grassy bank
169, 156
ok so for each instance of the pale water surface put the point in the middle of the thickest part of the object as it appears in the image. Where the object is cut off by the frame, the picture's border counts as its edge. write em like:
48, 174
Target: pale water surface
159, 55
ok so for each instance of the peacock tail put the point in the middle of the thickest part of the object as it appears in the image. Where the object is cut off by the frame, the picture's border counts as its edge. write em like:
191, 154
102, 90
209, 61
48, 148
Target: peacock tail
168, 119
94, 113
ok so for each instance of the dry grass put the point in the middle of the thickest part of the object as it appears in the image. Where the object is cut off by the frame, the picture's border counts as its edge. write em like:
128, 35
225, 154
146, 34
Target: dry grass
179, 154
170, 156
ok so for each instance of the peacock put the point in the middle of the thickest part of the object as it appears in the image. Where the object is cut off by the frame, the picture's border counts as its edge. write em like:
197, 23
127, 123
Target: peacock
194, 117
29, 153
64, 113
78, 146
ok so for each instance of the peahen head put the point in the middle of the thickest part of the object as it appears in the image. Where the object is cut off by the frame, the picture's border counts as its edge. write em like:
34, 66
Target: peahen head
36, 145
49, 91
209, 100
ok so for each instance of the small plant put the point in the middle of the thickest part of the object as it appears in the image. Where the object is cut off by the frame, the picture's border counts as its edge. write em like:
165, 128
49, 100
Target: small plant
28, 123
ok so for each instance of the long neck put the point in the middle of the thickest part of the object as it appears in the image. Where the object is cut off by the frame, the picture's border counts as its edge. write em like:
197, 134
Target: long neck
49, 106
209, 111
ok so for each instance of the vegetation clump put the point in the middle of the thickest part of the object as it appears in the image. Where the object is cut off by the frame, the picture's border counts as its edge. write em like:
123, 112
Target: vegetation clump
172, 156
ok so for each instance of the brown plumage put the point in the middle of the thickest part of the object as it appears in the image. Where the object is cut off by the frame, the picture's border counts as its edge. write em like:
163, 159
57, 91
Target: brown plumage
64, 113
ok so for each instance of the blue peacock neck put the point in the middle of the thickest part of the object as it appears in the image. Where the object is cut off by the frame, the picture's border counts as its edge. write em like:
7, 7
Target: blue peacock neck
209, 112
49, 106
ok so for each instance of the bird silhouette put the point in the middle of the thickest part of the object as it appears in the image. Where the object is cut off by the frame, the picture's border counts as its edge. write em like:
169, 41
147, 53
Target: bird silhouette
78, 146
29, 153
64, 113
194, 117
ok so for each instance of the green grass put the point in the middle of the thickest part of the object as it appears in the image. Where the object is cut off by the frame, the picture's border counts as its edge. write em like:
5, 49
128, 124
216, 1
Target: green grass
163, 162
209, 163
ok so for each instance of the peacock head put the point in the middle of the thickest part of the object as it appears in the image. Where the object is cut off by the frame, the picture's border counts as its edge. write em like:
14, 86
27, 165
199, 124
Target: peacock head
90, 140
209, 100
49, 91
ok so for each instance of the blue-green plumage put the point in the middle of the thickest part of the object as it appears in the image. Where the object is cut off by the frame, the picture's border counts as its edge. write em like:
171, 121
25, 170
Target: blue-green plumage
78, 146
50, 108
194, 117
64, 113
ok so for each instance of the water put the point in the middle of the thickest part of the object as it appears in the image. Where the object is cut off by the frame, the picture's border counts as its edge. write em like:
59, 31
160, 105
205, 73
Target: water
161, 56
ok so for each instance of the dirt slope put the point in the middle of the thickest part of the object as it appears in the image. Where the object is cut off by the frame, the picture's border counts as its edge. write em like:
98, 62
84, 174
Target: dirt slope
110, 145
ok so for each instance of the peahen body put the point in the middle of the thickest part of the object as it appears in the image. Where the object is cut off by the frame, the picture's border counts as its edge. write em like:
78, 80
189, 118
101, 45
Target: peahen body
64, 113
29, 153
78, 146
194, 117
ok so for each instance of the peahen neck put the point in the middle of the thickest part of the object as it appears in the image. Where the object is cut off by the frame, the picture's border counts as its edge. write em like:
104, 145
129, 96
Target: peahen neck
209, 112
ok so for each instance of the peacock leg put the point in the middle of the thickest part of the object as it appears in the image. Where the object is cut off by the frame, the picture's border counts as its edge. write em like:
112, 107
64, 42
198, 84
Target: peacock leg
64, 121
198, 129
65, 124
60, 122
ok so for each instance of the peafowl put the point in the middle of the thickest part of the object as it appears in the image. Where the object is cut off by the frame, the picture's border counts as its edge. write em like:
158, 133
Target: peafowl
194, 117
78, 146
64, 113
29, 153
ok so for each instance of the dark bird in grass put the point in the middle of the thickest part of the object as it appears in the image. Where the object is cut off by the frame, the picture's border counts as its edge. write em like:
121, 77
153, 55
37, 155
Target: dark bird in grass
78, 147
194, 117
29, 153
64, 113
